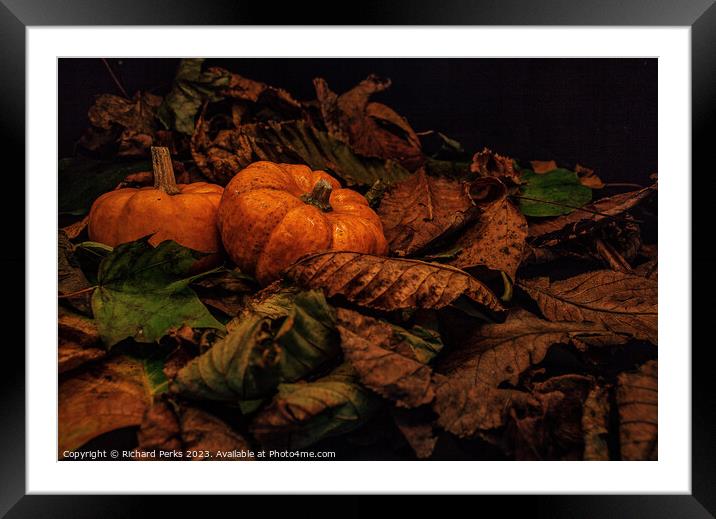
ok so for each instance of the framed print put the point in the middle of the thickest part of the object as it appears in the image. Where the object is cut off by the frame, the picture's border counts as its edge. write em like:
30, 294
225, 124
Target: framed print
409, 257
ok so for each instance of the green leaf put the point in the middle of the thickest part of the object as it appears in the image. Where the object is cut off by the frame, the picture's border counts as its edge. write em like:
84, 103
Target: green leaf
282, 339
302, 414
559, 186
143, 292
82, 180
190, 89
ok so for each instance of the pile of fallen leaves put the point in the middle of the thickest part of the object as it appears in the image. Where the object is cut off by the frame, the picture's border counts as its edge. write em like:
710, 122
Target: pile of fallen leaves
515, 316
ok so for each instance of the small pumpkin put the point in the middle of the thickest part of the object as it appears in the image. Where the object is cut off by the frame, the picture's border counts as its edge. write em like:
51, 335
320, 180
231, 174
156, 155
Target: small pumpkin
185, 213
272, 214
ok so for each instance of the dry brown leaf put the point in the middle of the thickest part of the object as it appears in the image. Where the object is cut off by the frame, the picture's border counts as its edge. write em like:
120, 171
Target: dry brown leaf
468, 397
553, 429
595, 424
74, 230
383, 360
107, 396
128, 124
417, 428
79, 341
588, 177
543, 166
72, 284
245, 89
388, 283
496, 241
638, 413
169, 428
553, 231
372, 129
648, 269
422, 209
624, 303
487, 163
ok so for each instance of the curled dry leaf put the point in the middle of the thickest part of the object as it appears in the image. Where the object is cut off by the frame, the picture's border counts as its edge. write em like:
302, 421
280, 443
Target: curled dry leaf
222, 155
388, 283
107, 396
372, 129
177, 428
624, 303
303, 413
422, 209
283, 339
487, 163
638, 413
595, 424
553, 231
385, 359
127, 125
468, 397
79, 341
496, 241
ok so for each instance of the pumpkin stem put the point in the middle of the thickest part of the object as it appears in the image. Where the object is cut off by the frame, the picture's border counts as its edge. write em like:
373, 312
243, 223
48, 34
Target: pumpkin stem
320, 195
163, 171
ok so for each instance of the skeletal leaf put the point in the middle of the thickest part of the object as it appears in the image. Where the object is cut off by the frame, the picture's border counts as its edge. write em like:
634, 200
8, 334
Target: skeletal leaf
624, 303
389, 283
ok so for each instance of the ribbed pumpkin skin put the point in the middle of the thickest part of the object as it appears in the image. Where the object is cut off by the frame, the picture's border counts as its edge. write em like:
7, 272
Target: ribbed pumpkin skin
265, 226
188, 218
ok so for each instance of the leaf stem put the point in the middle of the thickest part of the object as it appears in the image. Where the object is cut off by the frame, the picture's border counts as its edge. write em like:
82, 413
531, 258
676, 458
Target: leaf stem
73, 294
592, 211
115, 78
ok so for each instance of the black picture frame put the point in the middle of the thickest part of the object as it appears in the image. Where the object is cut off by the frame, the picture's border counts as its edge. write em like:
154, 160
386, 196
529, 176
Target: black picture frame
700, 15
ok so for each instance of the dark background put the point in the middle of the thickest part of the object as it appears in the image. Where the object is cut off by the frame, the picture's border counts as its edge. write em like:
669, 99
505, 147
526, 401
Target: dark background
601, 113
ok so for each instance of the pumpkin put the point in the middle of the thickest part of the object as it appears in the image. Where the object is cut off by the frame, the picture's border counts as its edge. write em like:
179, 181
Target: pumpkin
272, 214
185, 213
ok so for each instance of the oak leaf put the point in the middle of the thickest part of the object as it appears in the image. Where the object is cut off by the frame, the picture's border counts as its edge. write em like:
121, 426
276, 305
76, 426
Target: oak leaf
624, 303
389, 283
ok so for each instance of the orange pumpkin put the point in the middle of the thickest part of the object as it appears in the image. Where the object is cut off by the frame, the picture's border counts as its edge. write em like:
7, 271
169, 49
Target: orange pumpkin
272, 214
185, 213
